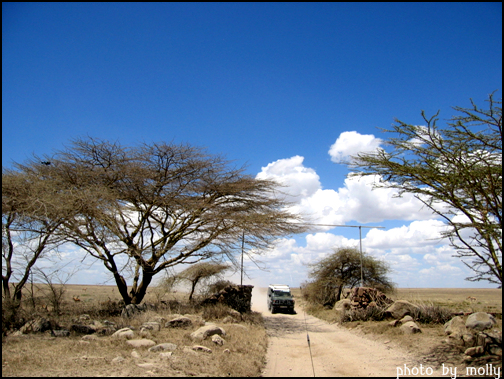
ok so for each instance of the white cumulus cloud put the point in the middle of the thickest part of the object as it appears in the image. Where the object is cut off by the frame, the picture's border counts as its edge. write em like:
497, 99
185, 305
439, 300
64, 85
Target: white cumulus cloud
351, 143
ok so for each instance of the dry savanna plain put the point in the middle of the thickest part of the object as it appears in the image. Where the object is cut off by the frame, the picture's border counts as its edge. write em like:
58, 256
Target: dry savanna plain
248, 344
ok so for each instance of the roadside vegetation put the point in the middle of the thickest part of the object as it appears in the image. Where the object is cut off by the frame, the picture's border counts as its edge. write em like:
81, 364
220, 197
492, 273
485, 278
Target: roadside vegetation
40, 354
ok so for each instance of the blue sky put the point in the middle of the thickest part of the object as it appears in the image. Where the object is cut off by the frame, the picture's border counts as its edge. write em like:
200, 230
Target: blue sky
274, 86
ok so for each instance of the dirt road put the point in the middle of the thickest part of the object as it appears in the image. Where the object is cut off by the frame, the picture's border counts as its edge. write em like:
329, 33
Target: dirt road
335, 351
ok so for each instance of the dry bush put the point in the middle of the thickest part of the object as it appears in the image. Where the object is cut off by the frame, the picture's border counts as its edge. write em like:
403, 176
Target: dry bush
367, 314
431, 314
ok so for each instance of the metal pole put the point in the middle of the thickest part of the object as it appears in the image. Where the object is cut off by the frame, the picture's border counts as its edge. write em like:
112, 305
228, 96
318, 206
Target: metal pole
243, 245
360, 243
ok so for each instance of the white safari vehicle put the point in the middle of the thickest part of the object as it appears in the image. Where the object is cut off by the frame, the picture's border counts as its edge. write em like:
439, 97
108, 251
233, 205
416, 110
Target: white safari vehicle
280, 298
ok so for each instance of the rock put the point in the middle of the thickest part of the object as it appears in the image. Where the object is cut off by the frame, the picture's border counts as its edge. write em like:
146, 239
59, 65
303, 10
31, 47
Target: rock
401, 308
84, 317
207, 331
83, 329
469, 339
405, 319
495, 350
125, 333
152, 326
202, 348
234, 296
474, 351
235, 314
218, 340
456, 327
165, 355
163, 347
228, 320
132, 310
394, 323
342, 304
480, 321
410, 327
141, 343
106, 331
144, 333
179, 322
188, 350
38, 325
61, 333
363, 297
227, 351
135, 354
118, 359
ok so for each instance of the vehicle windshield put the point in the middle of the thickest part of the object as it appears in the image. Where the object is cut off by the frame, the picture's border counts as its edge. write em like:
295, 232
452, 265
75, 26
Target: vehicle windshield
282, 293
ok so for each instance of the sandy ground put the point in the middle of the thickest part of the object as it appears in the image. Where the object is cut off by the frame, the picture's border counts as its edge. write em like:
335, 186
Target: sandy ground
335, 351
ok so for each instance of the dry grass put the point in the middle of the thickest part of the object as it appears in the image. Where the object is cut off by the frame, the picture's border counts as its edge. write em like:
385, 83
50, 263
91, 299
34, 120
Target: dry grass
43, 355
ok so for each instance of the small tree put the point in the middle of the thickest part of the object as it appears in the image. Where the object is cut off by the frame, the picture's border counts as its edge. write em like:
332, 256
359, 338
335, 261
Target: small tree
456, 171
202, 273
342, 269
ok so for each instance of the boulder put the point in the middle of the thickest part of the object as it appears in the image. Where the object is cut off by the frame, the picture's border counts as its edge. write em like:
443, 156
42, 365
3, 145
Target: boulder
132, 310
410, 327
38, 325
474, 351
218, 340
405, 319
118, 359
135, 354
480, 321
83, 329
401, 308
207, 331
141, 343
61, 333
343, 304
163, 347
151, 326
456, 326
179, 322
125, 333
202, 348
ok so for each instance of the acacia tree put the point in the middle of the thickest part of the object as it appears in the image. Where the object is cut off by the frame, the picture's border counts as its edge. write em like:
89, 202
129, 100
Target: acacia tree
31, 216
342, 269
151, 207
456, 171
201, 272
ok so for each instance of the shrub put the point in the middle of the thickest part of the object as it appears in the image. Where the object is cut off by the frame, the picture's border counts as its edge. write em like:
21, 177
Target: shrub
364, 314
431, 314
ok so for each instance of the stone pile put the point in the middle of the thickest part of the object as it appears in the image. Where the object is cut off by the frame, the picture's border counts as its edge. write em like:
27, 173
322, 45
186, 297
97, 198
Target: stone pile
475, 334
363, 297
238, 298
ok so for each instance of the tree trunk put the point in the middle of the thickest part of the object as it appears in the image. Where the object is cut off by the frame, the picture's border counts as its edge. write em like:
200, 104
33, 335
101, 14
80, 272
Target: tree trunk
338, 293
122, 287
193, 286
138, 296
